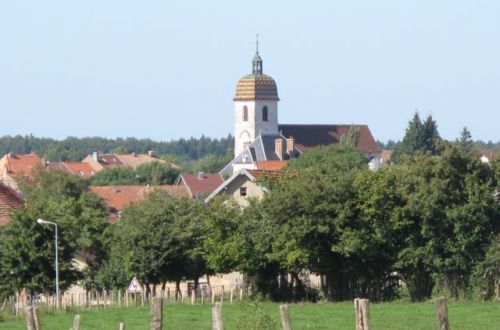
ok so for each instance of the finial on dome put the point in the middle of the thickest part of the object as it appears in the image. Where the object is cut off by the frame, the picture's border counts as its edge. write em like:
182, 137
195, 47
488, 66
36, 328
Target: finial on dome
257, 61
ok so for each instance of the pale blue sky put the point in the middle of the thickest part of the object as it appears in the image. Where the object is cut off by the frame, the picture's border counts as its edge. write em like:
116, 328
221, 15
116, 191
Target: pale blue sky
168, 69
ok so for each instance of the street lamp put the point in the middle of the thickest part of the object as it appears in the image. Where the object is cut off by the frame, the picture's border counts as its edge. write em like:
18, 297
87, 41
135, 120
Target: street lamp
45, 222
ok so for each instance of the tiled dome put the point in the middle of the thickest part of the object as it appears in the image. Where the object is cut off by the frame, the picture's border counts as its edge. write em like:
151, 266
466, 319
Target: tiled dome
256, 87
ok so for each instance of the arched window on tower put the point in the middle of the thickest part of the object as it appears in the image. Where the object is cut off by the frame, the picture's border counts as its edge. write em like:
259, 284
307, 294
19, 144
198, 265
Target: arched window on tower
264, 114
245, 113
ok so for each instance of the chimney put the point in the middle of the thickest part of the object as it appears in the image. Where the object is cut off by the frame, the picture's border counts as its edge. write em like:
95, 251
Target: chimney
290, 145
151, 153
95, 156
279, 148
201, 175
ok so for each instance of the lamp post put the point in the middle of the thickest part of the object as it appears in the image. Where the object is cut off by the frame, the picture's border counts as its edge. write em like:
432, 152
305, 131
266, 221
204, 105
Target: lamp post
44, 222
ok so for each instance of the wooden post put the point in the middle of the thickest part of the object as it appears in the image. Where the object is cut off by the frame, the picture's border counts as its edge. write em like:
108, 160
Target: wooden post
241, 294
285, 317
442, 313
76, 322
213, 296
362, 307
30, 321
217, 323
157, 320
122, 326
36, 318
142, 298
119, 298
231, 297
193, 297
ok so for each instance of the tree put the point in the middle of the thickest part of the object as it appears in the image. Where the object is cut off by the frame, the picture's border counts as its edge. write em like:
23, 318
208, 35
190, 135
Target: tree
212, 163
114, 176
419, 137
351, 138
156, 173
465, 142
27, 248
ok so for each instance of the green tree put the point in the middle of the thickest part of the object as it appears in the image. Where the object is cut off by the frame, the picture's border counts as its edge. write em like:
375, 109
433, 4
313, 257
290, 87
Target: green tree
212, 163
156, 173
419, 137
465, 142
352, 137
115, 176
27, 248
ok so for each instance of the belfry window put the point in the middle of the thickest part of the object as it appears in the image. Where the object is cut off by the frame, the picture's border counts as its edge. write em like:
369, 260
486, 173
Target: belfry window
245, 113
264, 113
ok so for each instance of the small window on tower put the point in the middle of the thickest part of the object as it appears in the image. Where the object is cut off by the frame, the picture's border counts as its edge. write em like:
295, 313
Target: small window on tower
264, 113
245, 113
243, 191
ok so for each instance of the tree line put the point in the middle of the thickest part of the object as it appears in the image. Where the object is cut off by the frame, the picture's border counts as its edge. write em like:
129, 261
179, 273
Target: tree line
75, 149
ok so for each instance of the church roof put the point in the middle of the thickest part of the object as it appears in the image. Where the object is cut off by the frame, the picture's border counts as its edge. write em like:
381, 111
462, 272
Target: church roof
310, 136
256, 87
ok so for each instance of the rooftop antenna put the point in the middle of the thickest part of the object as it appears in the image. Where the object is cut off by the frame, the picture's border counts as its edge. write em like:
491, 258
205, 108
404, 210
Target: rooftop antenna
257, 43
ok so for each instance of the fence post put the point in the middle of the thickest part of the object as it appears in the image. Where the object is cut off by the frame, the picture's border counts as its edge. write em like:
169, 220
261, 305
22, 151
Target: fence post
362, 307
193, 297
30, 320
442, 313
157, 319
122, 326
76, 322
241, 294
36, 318
231, 297
217, 323
285, 317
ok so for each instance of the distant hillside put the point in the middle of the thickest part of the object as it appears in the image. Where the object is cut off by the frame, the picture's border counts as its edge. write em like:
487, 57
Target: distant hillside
74, 149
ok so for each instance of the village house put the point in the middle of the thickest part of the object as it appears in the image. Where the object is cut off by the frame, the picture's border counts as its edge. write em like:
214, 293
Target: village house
83, 170
200, 185
9, 200
16, 166
117, 198
99, 161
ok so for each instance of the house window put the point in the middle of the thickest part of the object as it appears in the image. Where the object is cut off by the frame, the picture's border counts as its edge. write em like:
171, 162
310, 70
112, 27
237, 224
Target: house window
243, 191
245, 113
264, 114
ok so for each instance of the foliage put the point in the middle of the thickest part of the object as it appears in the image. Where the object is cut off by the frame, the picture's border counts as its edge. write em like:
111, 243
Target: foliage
465, 142
212, 163
420, 136
73, 148
487, 273
27, 248
153, 173
351, 138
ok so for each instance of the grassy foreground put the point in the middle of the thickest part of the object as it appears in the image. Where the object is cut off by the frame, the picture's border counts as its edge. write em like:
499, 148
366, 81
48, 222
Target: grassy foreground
248, 315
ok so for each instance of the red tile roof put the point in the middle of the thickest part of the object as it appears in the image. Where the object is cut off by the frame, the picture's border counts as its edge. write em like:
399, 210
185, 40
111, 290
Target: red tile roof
203, 184
311, 136
118, 197
77, 168
271, 165
262, 173
21, 164
491, 154
9, 199
386, 156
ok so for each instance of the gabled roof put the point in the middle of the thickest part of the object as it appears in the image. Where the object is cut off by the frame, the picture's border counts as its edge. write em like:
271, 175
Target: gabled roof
118, 197
9, 199
135, 160
262, 149
311, 136
21, 164
242, 172
201, 183
77, 168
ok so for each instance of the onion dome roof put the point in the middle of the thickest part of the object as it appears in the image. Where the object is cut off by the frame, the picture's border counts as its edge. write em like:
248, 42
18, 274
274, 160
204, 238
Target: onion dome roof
256, 86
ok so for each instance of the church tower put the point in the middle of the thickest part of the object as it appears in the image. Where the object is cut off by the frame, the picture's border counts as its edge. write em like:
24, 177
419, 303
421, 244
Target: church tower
255, 106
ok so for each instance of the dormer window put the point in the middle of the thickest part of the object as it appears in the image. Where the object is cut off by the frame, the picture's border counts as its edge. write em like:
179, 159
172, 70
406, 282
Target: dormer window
264, 114
245, 113
243, 191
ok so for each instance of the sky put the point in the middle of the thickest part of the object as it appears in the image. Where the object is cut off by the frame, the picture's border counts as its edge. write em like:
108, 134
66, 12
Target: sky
168, 69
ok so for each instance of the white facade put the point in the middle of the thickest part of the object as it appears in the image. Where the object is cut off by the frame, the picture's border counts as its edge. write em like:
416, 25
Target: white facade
246, 131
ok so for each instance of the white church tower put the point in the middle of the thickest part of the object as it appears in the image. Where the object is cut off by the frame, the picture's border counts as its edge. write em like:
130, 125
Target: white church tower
255, 106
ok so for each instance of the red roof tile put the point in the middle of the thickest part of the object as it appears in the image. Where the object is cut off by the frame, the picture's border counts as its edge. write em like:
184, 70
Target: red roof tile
21, 164
201, 183
9, 199
271, 165
311, 136
118, 197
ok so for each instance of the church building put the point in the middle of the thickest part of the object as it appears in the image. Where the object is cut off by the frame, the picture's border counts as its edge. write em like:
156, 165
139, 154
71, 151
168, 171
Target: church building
258, 136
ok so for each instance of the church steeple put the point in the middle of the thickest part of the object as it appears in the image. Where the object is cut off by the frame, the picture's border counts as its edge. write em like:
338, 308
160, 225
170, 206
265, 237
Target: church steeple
257, 61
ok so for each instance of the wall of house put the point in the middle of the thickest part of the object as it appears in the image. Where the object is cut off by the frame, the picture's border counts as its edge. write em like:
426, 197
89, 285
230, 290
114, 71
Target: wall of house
252, 190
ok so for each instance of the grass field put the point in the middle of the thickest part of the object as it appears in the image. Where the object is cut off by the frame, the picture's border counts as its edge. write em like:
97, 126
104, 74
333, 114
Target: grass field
395, 315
